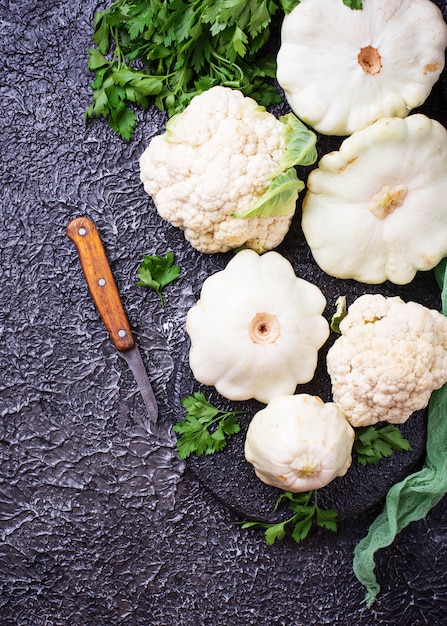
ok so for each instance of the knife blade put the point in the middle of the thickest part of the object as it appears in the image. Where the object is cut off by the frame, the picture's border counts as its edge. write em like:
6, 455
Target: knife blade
103, 289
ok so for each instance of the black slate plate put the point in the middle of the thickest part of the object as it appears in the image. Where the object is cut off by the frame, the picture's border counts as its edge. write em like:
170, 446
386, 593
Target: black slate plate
232, 479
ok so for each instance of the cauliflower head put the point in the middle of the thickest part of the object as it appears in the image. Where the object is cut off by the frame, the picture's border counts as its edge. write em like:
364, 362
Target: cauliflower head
223, 171
389, 358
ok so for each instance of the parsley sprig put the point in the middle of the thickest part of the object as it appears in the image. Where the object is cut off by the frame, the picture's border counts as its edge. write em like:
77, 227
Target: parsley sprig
205, 428
156, 272
306, 514
373, 444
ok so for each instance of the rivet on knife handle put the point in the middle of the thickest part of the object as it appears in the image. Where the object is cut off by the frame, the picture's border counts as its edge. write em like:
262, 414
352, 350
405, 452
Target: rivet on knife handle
101, 283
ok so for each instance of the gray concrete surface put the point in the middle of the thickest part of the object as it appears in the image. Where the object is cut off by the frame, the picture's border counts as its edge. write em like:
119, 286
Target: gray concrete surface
100, 524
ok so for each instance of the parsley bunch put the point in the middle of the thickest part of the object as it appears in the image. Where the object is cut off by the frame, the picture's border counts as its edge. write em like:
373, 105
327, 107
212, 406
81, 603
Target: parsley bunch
306, 513
172, 50
205, 429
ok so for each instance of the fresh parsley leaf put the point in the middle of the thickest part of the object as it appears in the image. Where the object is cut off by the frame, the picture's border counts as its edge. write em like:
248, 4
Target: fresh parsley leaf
205, 429
156, 272
272, 532
306, 514
373, 444
288, 5
302, 527
327, 518
356, 5
341, 311
275, 532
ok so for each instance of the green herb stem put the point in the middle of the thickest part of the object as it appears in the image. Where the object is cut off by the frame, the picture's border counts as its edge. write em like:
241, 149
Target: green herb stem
306, 513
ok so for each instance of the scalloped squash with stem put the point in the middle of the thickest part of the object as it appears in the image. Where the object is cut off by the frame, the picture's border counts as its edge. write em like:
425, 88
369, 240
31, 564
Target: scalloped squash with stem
376, 209
343, 69
256, 329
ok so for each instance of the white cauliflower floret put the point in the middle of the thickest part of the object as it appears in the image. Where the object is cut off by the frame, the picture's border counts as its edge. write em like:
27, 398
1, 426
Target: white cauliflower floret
227, 233
389, 358
224, 171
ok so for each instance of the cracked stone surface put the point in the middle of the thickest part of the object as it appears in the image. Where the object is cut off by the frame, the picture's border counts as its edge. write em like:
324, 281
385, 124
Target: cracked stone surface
100, 523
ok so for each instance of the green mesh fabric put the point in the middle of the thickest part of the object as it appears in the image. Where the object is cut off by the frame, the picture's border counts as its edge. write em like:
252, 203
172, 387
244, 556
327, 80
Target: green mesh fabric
412, 498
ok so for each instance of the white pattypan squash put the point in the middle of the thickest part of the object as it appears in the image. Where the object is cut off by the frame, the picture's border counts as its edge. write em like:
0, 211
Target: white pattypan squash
342, 69
376, 210
299, 443
256, 330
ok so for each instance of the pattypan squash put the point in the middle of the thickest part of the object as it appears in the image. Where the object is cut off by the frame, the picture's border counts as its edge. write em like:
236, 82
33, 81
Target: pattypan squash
343, 69
298, 443
256, 329
376, 209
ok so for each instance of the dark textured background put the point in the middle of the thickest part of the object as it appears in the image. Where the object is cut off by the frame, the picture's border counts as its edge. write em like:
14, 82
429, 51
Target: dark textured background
100, 524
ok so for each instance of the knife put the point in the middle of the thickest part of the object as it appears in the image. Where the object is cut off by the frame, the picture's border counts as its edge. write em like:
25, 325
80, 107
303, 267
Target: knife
102, 286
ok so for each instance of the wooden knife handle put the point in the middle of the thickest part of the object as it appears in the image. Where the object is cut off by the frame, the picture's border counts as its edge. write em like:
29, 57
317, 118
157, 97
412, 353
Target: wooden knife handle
101, 283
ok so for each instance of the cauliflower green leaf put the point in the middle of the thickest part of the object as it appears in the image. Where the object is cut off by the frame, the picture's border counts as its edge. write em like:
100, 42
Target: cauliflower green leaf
285, 185
341, 311
277, 198
300, 144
